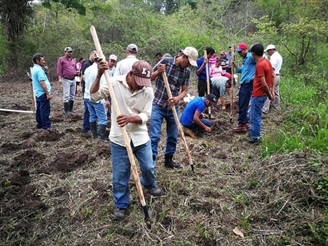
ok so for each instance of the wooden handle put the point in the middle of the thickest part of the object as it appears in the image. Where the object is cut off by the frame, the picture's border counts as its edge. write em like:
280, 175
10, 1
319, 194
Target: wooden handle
175, 114
117, 111
207, 82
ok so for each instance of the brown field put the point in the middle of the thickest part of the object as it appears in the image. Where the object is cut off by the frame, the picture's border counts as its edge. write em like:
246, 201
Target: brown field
55, 187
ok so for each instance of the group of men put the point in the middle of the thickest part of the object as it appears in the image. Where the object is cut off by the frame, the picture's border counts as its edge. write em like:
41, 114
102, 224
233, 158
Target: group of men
139, 103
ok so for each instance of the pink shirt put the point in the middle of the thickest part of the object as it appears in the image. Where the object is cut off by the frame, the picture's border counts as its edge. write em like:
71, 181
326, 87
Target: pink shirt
66, 68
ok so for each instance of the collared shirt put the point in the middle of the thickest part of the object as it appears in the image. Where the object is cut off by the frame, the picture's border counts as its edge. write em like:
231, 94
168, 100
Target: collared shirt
125, 66
202, 75
177, 76
66, 68
136, 103
276, 61
247, 70
112, 72
229, 58
90, 75
38, 75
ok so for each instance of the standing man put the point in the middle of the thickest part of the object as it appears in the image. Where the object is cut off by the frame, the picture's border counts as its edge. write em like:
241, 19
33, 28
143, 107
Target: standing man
124, 66
246, 86
111, 65
86, 115
66, 73
262, 89
97, 112
276, 61
159, 56
201, 72
229, 59
192, 118
42, 89
178, 75
135, 95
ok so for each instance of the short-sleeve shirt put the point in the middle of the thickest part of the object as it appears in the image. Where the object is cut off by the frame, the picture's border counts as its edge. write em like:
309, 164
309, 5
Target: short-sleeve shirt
263, 69
177, 76
38, 75
202, 75
197, 104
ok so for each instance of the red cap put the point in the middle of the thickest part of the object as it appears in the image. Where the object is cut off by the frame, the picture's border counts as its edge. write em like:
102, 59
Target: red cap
241, 46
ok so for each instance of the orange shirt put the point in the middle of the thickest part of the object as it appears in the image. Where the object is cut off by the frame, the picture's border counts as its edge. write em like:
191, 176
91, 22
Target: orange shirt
263, 69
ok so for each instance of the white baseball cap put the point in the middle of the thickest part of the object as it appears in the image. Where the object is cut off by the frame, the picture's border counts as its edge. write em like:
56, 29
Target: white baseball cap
270, 47
192, 54
113, 57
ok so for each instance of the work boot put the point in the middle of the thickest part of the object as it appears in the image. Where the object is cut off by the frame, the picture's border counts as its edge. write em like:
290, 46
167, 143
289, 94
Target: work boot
66, 107
169, 163
93, 129
70, 108
240, 128
102, 132
119, 213
156, 191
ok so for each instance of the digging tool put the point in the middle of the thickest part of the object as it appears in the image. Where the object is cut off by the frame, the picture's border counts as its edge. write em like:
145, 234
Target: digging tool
175, 114
232, 85
208, 83
124, 132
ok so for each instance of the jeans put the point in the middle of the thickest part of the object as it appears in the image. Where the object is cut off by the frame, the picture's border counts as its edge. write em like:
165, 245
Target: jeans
86, 123
68, 90
42, 112
255, 115
196, 128
122, 170
156, 120
245, 93
96, 111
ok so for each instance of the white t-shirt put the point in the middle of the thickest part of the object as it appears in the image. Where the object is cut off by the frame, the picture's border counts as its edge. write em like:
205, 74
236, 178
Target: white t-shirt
125, 66
90, 75
276, 61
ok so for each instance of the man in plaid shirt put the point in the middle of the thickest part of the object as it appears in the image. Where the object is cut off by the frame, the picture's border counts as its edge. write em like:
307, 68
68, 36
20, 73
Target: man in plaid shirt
178, 75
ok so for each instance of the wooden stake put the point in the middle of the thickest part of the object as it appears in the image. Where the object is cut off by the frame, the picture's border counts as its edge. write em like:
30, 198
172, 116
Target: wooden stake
208, 83
175, 114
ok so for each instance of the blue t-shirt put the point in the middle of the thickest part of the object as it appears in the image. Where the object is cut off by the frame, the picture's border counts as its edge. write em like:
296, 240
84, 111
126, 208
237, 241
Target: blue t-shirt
196, 104
38, 74
247, 70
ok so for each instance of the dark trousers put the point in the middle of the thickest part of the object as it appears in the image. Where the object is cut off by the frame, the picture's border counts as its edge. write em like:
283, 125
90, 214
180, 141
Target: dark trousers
202, 87
42, 112
245, 93
86, 116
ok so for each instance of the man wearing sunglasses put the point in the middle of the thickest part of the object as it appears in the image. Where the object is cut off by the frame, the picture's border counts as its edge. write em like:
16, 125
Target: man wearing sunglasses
247, 71
66, 73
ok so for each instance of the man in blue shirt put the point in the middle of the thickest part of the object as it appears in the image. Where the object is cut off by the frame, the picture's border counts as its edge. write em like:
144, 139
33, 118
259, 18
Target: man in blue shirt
246, 86
201, 72
42, 89
192, 118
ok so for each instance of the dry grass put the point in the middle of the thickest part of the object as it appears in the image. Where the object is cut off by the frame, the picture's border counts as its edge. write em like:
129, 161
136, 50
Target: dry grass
271, 199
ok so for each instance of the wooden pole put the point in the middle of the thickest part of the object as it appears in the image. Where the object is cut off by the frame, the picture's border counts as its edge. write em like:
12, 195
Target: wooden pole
124, 132
232, 85
32, 88
207, 82
175, 114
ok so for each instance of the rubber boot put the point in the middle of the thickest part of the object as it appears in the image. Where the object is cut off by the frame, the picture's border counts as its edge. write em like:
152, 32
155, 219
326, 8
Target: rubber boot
71, 104
102, 132
93, 129
66, 107
169, 163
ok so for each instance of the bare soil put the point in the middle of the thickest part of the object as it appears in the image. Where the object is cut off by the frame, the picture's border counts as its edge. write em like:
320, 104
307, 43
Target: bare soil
55, 186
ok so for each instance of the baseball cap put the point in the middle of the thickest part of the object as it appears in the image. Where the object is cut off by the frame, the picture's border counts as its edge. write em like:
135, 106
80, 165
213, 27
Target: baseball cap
211, 98
270, 47
132, 48
142, 72
241, 46
68, 49
222, 52
180, 50
192, 54
113, 57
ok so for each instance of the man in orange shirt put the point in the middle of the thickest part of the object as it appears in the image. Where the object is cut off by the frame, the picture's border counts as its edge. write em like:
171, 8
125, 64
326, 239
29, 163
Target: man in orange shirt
262, 89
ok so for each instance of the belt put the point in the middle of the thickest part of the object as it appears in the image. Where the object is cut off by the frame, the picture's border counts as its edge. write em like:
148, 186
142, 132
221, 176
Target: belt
69, 78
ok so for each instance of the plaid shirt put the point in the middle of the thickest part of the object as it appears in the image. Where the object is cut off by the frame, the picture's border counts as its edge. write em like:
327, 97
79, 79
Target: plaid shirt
177, 77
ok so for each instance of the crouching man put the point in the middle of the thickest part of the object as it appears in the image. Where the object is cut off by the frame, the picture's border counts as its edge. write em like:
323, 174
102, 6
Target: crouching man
135, 95
192, 118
